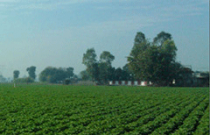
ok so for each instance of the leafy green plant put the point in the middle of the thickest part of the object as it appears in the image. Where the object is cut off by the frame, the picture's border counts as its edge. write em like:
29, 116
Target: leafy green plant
50, 109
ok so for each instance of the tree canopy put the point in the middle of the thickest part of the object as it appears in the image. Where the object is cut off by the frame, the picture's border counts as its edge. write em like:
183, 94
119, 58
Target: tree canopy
161, 38
101, 70
31, 71
105, 65
56, 75
106, 57
16, 74
149, 61
154, 61
89, 59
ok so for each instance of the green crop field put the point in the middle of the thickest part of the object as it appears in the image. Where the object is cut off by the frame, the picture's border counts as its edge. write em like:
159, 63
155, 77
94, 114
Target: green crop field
98, 110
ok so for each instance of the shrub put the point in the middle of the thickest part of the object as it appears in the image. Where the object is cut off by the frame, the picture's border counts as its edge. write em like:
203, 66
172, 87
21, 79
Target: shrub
24, 80
67, 81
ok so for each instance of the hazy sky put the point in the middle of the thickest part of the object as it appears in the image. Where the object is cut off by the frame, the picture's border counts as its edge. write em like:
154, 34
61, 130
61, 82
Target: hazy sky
57, 32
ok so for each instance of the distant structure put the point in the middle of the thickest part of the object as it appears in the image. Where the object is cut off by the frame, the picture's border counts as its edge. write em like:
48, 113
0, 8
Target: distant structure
188, 78
201, 78
129, 83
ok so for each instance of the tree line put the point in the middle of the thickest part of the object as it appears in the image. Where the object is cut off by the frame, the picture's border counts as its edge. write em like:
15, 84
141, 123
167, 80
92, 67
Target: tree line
57, 75
49, 74
101, 70
153, 61
31, 72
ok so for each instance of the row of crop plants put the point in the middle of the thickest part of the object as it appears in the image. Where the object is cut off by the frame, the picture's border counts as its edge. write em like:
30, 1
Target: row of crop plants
43, 111
119, 123
174, 123
161, 119
203, 127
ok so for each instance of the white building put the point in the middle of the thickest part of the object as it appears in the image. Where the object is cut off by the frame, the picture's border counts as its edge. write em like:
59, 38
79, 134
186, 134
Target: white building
129, 83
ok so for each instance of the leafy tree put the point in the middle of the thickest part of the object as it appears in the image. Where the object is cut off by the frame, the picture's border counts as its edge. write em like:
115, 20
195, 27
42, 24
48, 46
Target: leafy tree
167, 60
127, 74
104, 72
161, 38
99, 71
25, 80
47, 75
140, 38
138, 54
111, 73
105, 66
144, 64
55, 75
118, 74
140, 44
106, 57
154, 61
16, 74
31, 71
85, 76
70, 72
93, 70
89, 59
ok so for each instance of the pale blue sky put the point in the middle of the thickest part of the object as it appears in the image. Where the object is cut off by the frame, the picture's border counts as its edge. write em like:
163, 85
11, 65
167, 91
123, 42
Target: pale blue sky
57, 32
